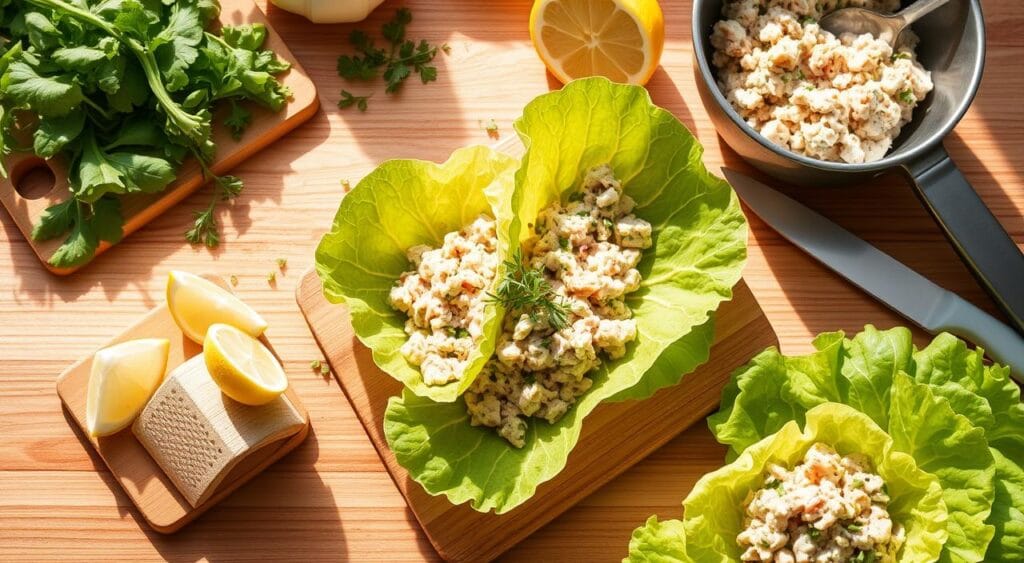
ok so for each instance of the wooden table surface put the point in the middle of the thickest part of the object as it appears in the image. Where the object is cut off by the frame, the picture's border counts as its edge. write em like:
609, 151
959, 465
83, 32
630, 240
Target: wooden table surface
333, 500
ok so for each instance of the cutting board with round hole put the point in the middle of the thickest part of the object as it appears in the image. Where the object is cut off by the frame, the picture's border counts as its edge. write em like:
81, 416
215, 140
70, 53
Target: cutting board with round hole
35, 184
615, 436
149, 487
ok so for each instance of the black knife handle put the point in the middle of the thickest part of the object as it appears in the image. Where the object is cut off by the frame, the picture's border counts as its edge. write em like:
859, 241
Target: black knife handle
983, 244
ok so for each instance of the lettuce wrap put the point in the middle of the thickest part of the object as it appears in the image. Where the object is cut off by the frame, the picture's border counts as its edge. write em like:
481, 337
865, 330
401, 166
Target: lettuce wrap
960, 419
714, 513
401, 204
699, 250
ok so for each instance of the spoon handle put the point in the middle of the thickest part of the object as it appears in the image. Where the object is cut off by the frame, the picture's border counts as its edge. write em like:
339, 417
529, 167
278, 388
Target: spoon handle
919, 9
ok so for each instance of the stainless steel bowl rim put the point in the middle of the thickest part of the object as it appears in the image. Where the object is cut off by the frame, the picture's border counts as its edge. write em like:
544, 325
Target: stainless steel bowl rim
700, 43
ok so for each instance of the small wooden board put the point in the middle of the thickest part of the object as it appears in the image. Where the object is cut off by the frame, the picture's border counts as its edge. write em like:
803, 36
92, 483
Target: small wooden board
266, 127
615, 436
148, 487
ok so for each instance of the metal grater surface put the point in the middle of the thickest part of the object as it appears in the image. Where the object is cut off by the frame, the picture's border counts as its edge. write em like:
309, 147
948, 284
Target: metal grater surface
197, 434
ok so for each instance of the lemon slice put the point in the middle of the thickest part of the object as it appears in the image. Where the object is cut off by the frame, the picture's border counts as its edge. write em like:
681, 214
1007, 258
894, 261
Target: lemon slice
196, 303
619, 39
122, 380
242, 366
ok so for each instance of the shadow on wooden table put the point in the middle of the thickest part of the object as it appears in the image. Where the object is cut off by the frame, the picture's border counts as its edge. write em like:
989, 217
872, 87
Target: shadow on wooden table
284, 512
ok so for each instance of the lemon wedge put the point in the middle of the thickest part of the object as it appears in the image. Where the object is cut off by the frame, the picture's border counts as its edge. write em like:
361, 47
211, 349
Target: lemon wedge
242, 366
196, 303
619, 39
122, 380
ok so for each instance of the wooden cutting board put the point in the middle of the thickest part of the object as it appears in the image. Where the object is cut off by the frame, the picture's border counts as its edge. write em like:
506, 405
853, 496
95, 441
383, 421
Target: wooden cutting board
266, 127
615, 436
145, 483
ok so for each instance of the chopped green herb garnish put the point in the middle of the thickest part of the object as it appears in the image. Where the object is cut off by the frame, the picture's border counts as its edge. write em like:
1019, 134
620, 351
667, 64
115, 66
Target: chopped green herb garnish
272, 278
853, 528
583, 213
576, 196
564, 244
900, 55
814, 533
907, 97
315, 365
460, 333
857, 483
525, 290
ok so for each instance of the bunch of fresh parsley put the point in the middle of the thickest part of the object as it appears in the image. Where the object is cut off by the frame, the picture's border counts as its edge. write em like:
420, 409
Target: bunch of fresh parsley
123, 91
401, 59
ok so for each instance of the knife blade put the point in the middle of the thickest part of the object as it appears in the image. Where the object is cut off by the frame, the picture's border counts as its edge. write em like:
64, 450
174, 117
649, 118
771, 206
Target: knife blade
903, 290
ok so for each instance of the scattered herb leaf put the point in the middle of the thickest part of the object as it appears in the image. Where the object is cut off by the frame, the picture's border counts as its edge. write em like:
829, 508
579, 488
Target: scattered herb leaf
348, 100
401, 59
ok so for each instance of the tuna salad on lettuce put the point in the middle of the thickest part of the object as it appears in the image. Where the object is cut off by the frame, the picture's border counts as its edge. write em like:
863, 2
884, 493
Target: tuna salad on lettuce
958, 418
630, 174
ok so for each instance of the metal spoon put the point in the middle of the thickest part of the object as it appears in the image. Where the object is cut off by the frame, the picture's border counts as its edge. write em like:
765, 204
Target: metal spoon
886, 27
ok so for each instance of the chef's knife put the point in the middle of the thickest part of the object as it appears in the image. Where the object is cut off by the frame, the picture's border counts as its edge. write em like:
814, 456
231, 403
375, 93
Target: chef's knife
900, 288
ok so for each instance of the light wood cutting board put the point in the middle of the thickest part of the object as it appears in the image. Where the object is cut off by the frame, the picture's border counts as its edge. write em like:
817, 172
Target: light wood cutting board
145, 483
615, 436
266, 127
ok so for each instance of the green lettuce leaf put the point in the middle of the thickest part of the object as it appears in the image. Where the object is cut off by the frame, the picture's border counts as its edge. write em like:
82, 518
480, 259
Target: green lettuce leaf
699, 236
439, 448
986, 395
879, 373
401, 204
658, 542
714, 514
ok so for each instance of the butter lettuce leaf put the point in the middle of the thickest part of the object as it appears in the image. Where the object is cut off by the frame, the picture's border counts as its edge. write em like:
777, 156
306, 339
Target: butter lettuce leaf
698, 253
931, 402
441, 451
991, 399
714, 514
401, 204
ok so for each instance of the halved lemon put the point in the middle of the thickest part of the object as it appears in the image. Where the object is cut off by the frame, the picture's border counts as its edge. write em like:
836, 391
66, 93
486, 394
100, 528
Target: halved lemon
242, 366
619, 39
196, 303
123, 378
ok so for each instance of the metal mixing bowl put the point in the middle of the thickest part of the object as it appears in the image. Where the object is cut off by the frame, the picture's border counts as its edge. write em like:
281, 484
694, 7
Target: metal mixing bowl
952, 47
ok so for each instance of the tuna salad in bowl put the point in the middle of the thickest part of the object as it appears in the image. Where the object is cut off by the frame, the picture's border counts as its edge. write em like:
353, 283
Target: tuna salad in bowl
907, 455
842, 99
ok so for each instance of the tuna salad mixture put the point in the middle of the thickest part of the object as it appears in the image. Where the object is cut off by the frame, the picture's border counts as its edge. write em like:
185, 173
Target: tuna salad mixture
584, 253
830, 508
841, 99
444, 296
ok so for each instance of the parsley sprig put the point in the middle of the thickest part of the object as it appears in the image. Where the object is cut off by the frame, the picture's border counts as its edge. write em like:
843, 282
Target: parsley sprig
399, 60
525, 290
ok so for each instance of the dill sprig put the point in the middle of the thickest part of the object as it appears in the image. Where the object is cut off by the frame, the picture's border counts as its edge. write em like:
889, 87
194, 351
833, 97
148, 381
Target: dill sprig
525, 290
